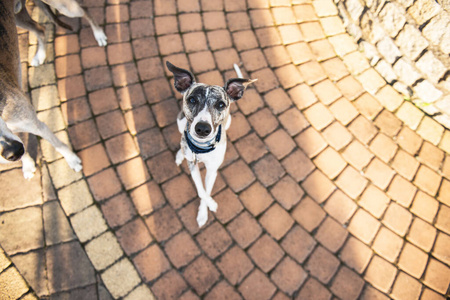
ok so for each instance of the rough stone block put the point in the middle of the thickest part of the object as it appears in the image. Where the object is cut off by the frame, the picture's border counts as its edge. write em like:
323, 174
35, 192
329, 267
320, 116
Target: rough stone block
411, 42
386, 70
423, 10
436, 28
388, 49
431, 66
427, 92
406, 71
392, 17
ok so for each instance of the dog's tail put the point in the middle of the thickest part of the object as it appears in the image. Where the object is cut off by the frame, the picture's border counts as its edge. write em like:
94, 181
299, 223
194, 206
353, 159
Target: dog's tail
238, 71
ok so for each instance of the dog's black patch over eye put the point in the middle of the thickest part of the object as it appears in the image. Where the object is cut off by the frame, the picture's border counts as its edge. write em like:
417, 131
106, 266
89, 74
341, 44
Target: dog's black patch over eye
192, 100
220, 105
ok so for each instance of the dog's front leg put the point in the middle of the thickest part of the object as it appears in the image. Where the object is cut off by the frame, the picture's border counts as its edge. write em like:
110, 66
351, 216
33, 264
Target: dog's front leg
210, 179
202, 215
39, 128
28, 166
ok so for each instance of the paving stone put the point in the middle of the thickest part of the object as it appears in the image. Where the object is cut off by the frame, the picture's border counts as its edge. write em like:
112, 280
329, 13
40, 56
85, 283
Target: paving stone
257, 286
422, 234
235, 265
68, 267
22, 230
425, 207
134, 236
88, 223
380, 274
311, 142
103, 251
331, 235
287, 192
244, 229
313, 288
120, 278
12, 284
214, 240
437, 276
201, 275
322, 265
151, 263
406, 286
298, 243
308, 214
289, 276
347, 284
222, 290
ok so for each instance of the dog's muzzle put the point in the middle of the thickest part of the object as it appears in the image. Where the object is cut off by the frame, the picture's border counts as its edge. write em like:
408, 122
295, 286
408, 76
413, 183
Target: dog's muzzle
12, 150
202, 147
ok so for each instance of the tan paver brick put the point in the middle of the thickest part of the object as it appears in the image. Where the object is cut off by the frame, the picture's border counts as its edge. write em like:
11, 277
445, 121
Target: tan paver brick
364, 226
397, 218
422, 234
425, 206
266, 253
169, 285
311, 142
437, 276
308, 214
322, 264
383, 147
337, 136
318, 186
244, 229
214, 240
276, 221
313, 288
288, 276
347, 284
331, 235
287, 192
406, 287
256, 198
427, 180
374, 201
235, 264
380, 274
298, 243
379, 173
356, 254
387, 244
257, 286
351, 182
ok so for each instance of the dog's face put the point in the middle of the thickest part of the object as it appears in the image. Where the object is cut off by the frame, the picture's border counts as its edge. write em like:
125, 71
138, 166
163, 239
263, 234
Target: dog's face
206, 106
11, 147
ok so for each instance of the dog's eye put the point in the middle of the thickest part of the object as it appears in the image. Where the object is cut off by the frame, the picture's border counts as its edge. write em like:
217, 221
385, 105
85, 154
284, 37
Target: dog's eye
192, 100
221, 105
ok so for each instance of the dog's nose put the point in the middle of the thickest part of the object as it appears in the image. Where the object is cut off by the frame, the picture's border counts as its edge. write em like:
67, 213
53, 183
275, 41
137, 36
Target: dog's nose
202, 129
13, 151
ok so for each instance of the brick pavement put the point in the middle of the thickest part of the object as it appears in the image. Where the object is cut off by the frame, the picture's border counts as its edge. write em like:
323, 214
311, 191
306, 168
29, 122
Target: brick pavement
333, 186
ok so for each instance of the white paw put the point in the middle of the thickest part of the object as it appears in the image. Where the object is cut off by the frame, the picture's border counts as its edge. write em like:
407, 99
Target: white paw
212, 205
28, 171
179, 158
101, 38
74, 162
202, 215
38, 59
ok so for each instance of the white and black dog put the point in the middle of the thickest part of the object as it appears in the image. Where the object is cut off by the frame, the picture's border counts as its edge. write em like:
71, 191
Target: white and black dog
16, 112
203, 122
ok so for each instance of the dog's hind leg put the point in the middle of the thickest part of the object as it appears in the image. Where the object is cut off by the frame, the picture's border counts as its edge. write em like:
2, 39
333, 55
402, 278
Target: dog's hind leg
72, 9
24, 21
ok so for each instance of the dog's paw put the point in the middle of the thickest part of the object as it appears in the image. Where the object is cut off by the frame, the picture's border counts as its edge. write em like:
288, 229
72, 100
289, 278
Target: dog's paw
38, 59
101, 38
179, 158
202, 216
212, 205
74, 162
28, 171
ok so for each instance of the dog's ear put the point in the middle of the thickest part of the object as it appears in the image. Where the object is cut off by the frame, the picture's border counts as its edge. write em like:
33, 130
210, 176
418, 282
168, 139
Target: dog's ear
183, 78
235, 87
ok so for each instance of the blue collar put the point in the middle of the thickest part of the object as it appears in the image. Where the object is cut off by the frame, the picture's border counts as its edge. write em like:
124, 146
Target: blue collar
205, 147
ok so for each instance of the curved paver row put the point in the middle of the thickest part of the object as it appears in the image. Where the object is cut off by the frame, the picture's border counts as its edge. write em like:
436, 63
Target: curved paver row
332, 185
